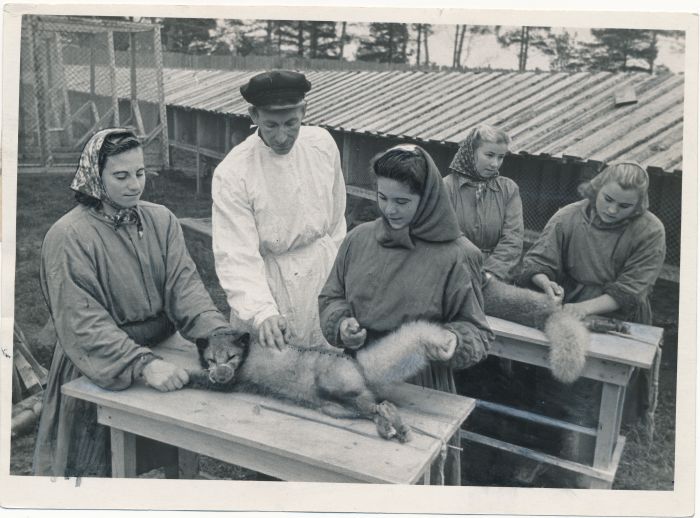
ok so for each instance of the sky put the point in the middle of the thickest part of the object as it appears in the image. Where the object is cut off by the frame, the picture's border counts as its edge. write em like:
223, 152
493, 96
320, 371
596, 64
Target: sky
486, 52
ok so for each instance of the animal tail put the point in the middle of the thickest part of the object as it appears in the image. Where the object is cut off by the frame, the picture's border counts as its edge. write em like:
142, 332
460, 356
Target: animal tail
398, 355
569, 340
526, 307
568, 336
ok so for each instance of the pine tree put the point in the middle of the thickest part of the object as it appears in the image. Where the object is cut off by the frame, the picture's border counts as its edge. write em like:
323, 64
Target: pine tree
386, 43
623, 50
423, 32
186, 34
460, 32
524, 37
324, 41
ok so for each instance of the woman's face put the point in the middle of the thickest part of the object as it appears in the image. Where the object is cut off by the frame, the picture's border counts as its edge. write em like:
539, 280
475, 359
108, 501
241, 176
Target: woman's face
488, 158
613, 203
124, 177
397, 202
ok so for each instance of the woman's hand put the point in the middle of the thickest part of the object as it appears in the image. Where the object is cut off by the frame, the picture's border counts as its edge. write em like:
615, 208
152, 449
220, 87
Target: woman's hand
274, 332
442, 349
351, 334
551, 288
164, 376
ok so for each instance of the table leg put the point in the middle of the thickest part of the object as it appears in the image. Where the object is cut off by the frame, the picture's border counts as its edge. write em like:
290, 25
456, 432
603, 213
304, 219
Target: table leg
123, 454
188, 464
611, 403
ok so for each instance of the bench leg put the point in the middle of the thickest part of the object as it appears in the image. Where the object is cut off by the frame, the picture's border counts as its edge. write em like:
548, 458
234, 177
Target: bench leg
611, 405
123, 454
188, 464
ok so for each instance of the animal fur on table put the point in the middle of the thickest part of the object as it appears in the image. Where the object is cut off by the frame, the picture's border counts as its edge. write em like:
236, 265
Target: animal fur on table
568, 336
332, 382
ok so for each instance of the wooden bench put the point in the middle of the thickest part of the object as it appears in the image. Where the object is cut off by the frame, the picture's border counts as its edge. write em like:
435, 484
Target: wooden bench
272, 436
610, 360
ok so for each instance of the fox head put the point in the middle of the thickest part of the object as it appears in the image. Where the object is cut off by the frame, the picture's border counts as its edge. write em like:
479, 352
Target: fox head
222, 353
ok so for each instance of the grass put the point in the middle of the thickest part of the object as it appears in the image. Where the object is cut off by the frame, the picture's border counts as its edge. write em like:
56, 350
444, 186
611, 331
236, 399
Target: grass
42, 199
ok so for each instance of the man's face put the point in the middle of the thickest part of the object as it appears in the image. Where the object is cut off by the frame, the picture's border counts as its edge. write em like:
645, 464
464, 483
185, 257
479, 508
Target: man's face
279, 128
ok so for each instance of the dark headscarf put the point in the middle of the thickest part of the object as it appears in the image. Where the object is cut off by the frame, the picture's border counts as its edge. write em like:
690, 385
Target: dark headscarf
435, 219
88, 181
464, 164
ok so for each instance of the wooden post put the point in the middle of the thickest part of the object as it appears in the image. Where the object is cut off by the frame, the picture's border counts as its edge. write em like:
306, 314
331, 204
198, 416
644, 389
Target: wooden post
176, 126
68, 125
31, 56
158, 54
113, 76
346, 157
196, 138
123, 454
46, 94
92, 66
133, 97
227, 134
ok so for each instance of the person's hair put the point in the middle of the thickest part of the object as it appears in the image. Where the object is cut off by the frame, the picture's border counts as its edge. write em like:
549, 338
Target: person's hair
404, 165
491, 134
628, 175
113, 144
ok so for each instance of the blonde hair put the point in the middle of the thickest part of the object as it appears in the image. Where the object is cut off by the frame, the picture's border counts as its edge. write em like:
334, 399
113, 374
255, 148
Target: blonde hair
628, 175
491, 134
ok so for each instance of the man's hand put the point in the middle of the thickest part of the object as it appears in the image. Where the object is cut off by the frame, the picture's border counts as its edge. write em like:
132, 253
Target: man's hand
274, 332
443, 349
351, 334
551, 288
164, 376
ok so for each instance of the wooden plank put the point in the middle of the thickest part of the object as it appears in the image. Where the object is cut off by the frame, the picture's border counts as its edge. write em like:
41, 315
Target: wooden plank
610, 403
602, 474
604, 484
535, 418
123, 452
202, 150
602, 346
251, 457
538, 354
350, 447
162, 111
361, 192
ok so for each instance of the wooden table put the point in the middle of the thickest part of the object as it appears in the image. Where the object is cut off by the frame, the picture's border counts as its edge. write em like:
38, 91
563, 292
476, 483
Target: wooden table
610, 360
271, 436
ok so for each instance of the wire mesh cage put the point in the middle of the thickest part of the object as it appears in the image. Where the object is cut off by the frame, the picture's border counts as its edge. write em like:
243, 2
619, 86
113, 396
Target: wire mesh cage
79, 75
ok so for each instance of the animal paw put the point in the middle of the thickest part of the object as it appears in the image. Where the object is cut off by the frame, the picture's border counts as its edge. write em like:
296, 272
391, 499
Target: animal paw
389, 423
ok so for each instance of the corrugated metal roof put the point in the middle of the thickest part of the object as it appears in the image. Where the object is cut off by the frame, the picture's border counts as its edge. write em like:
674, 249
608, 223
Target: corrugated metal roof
550, 113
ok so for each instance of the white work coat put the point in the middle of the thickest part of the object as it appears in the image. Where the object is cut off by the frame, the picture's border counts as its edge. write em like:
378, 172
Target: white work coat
277, 223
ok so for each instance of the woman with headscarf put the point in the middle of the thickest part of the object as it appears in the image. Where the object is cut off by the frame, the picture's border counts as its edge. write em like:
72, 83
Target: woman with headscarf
406, 265
117, 278
488, 206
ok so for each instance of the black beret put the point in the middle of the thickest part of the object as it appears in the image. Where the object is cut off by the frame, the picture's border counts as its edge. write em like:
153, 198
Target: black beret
277, 89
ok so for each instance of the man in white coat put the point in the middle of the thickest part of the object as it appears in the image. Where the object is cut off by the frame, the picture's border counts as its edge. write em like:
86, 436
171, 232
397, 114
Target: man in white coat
278, 214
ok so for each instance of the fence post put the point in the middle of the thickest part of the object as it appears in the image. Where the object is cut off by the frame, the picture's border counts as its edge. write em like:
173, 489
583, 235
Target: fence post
36, 102
158, 52
196, 138
113, 76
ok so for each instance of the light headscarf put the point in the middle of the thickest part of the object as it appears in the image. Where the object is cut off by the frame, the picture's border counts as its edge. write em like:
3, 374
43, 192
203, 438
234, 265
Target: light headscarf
88, 181
464, 164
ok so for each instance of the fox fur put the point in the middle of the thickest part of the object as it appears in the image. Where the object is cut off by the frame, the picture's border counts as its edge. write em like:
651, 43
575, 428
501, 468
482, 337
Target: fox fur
332, 382
568, 336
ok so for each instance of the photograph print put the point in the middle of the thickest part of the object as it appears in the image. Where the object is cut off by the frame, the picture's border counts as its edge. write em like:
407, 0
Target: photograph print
370, 250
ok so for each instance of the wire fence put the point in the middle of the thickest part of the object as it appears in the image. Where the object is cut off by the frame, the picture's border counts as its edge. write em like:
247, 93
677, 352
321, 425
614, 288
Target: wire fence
73, 85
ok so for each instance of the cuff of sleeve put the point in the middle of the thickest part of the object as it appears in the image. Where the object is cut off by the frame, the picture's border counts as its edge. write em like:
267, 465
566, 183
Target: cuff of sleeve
529, 271
331, 327
625, 300
264, 315
468, 352
140, 363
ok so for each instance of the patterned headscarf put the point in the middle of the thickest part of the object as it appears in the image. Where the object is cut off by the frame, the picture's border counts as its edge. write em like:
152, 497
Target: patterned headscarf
88, 180
464, 164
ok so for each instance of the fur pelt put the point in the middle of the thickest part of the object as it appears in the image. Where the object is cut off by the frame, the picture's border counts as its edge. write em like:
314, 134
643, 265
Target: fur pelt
568, 336
332, 382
